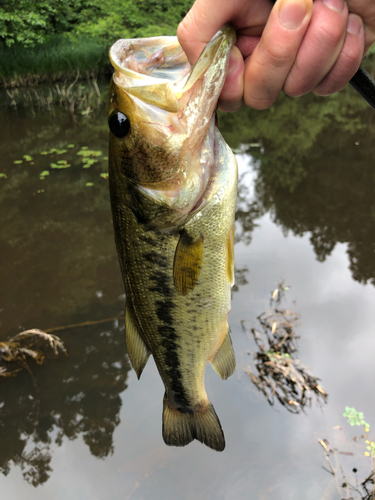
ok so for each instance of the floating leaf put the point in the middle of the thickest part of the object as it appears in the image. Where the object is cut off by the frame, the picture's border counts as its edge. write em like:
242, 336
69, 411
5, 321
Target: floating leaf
60, 164
44, 152
84, 147
28, 158
104, 175
40, 191
17, 162
3, 176
61, 151
89, 184
43, 174
89, 162
70, 145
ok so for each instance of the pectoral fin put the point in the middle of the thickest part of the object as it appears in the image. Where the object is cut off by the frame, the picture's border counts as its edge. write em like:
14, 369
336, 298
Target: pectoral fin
224, 361
137, 350
187, 263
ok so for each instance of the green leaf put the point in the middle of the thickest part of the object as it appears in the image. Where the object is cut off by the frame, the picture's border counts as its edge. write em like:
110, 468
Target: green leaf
3, 176
28, 158
89, 184
61, 151
17, 162
70, 146
43, 174
104, 175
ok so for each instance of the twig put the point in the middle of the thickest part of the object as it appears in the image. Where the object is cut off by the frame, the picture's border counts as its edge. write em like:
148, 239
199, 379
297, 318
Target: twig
85, 323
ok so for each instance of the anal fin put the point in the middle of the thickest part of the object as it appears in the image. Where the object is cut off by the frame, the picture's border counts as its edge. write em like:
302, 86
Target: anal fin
137, 350
180, 427
224, 361
187, 263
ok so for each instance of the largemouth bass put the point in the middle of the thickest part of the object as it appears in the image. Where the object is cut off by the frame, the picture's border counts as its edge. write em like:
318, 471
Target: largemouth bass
173, 185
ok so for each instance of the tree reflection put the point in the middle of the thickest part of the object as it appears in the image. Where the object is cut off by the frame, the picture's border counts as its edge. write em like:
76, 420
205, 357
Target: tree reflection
315, 172
78, 396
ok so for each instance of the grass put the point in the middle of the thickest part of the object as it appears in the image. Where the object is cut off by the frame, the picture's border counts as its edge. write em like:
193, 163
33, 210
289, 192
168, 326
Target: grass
59, 58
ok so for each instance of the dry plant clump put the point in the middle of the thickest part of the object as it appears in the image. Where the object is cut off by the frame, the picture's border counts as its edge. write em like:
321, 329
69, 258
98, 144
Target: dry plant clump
280, 376
30, 344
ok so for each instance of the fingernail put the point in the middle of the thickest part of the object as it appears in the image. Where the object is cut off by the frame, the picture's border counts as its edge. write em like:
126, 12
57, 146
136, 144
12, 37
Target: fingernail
337, 5
233, 63
234, 60
292, 13
354, 24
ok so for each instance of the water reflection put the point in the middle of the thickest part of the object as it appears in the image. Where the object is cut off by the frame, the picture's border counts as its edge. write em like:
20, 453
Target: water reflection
78, 396
315, 173
58, 265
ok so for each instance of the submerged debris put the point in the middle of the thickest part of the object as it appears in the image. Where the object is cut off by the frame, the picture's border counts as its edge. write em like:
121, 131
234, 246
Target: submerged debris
280, 376
347, 484
30, 344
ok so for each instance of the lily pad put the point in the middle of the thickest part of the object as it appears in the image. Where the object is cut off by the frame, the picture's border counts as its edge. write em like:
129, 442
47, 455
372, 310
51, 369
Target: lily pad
43, 174
18, 162
89, 184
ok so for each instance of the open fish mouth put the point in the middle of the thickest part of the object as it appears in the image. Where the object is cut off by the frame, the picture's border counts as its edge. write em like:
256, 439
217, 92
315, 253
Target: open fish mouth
173, 106
157, 71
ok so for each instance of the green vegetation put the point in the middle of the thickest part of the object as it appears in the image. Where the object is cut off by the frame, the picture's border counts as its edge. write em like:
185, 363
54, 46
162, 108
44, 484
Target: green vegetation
355, 417
45, 39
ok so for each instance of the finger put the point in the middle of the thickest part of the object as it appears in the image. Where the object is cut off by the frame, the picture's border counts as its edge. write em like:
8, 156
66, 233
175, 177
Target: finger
206, 17
231, 97
320, 48
349, 59
269, 65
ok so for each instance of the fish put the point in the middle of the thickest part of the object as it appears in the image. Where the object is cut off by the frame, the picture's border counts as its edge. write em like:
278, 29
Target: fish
173, 189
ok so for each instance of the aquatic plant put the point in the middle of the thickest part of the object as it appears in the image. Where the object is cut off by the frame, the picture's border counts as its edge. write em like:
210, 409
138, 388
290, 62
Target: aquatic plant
345, 482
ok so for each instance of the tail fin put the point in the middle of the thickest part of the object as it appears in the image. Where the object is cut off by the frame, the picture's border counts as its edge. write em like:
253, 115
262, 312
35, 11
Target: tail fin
180, 428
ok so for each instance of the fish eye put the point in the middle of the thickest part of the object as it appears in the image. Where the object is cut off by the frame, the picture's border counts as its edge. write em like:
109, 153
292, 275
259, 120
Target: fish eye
119, 124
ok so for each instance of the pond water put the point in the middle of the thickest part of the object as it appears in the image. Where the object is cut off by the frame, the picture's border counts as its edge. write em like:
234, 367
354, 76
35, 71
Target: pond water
84, 427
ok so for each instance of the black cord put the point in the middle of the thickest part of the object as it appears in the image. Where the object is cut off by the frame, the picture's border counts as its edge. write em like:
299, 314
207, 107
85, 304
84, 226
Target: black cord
364, 85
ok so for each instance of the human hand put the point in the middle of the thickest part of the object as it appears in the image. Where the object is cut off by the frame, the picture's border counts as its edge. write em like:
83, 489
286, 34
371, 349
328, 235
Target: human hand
297, 47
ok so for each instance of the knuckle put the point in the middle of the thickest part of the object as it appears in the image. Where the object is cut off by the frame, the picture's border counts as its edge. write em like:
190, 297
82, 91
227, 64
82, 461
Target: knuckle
182, 31
276, 58
297, 87
331, 35
258, 102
